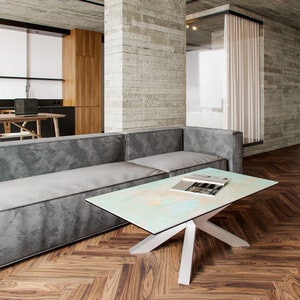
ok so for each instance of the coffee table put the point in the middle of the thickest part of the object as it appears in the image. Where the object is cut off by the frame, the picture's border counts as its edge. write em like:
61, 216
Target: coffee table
164, 212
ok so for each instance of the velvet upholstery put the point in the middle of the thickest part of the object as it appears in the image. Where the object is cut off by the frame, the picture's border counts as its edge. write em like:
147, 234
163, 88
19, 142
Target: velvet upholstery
142, 143
35, 157
46, 225
57, 185
48, 211
224, 143
180, 162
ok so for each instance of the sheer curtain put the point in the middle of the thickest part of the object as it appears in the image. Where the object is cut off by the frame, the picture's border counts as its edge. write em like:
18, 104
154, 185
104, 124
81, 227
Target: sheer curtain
242, 46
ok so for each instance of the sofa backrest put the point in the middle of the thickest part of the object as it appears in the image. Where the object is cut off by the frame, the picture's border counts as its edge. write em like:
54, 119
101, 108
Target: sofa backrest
20, 159
146, 142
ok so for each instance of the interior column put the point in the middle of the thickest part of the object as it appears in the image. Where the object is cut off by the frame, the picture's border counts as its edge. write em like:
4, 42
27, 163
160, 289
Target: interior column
144, 70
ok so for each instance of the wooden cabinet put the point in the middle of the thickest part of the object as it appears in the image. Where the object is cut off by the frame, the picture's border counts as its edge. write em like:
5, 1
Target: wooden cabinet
82, 79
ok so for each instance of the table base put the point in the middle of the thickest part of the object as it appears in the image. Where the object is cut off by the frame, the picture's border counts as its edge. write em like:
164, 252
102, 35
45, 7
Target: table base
154, 240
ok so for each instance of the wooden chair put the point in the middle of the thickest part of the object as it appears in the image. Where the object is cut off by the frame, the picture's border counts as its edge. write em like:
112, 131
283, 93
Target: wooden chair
7, 127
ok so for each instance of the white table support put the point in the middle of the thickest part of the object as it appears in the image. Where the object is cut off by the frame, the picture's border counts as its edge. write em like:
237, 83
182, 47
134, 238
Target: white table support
170, 212
154, 240
187, 254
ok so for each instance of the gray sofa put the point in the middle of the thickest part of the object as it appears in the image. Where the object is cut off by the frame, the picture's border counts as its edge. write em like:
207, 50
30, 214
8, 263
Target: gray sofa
44, 183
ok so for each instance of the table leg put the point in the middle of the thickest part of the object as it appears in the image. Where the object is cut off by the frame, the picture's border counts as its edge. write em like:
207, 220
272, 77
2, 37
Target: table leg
27, 130
56, 127
220, 233
187, 254
154, 240
38, 127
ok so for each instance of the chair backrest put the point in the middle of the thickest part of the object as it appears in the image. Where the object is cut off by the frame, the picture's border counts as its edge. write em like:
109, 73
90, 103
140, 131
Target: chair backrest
6, 125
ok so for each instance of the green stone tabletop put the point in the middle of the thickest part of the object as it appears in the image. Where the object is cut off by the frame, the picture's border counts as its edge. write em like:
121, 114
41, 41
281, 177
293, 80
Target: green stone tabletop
155, 208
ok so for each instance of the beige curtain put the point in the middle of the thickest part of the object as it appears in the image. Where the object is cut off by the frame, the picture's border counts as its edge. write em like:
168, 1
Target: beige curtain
242, 46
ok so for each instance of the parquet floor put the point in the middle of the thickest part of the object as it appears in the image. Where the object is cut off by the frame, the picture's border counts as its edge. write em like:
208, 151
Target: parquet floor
102, 268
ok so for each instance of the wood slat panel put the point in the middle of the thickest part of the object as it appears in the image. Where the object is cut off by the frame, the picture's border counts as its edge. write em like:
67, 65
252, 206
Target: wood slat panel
82, 78
88, 81
88, 43
102, 268
69, 84
87, 119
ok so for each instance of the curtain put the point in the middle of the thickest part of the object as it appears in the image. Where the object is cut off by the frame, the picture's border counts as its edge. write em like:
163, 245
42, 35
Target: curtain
242, 47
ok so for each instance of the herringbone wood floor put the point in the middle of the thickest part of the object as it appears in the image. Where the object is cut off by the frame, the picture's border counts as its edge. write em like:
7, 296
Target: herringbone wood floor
102, 268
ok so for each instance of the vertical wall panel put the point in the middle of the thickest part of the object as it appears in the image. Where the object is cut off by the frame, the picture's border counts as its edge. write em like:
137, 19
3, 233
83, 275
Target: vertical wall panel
82, 74
144, 64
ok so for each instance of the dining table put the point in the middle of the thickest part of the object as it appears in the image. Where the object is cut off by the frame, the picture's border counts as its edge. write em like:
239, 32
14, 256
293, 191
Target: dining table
21, 121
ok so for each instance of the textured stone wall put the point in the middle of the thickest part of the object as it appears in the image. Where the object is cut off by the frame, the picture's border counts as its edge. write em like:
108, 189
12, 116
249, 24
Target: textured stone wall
144, 64
145, 71
113, 66
281, 88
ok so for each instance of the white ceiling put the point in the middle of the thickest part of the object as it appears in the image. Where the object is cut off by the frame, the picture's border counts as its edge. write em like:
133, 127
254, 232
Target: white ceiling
89, 14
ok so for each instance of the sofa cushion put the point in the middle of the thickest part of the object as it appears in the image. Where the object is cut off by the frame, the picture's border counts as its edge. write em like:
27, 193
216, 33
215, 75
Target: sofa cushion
181, 162
29, 190
146, 142
222, 142
49, 155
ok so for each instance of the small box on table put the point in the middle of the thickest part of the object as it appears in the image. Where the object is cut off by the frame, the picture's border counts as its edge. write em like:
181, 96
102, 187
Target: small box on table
26, 106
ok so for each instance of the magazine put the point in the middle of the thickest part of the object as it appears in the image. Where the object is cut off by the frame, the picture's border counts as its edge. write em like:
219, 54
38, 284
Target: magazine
201, 184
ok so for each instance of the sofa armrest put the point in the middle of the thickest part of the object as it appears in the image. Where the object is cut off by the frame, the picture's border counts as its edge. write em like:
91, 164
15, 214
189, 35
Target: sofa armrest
221, 142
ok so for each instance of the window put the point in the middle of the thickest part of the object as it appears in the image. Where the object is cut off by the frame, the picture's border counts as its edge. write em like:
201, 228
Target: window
206, 73
30, 65
205, 88
223, 74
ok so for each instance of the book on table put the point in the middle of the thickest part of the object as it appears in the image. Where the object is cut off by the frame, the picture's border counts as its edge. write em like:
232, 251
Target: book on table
201, 184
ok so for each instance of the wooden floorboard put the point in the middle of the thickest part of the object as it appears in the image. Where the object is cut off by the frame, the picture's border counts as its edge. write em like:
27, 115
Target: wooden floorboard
102, 268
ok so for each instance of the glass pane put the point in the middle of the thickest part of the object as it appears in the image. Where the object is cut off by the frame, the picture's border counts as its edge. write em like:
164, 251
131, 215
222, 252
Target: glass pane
45, 56
205, 73
12, 53
12, 88
45, 89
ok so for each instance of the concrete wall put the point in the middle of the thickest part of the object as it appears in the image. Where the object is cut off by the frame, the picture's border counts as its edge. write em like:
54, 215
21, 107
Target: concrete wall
144, 64
145, 71
281, 88
113, 66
